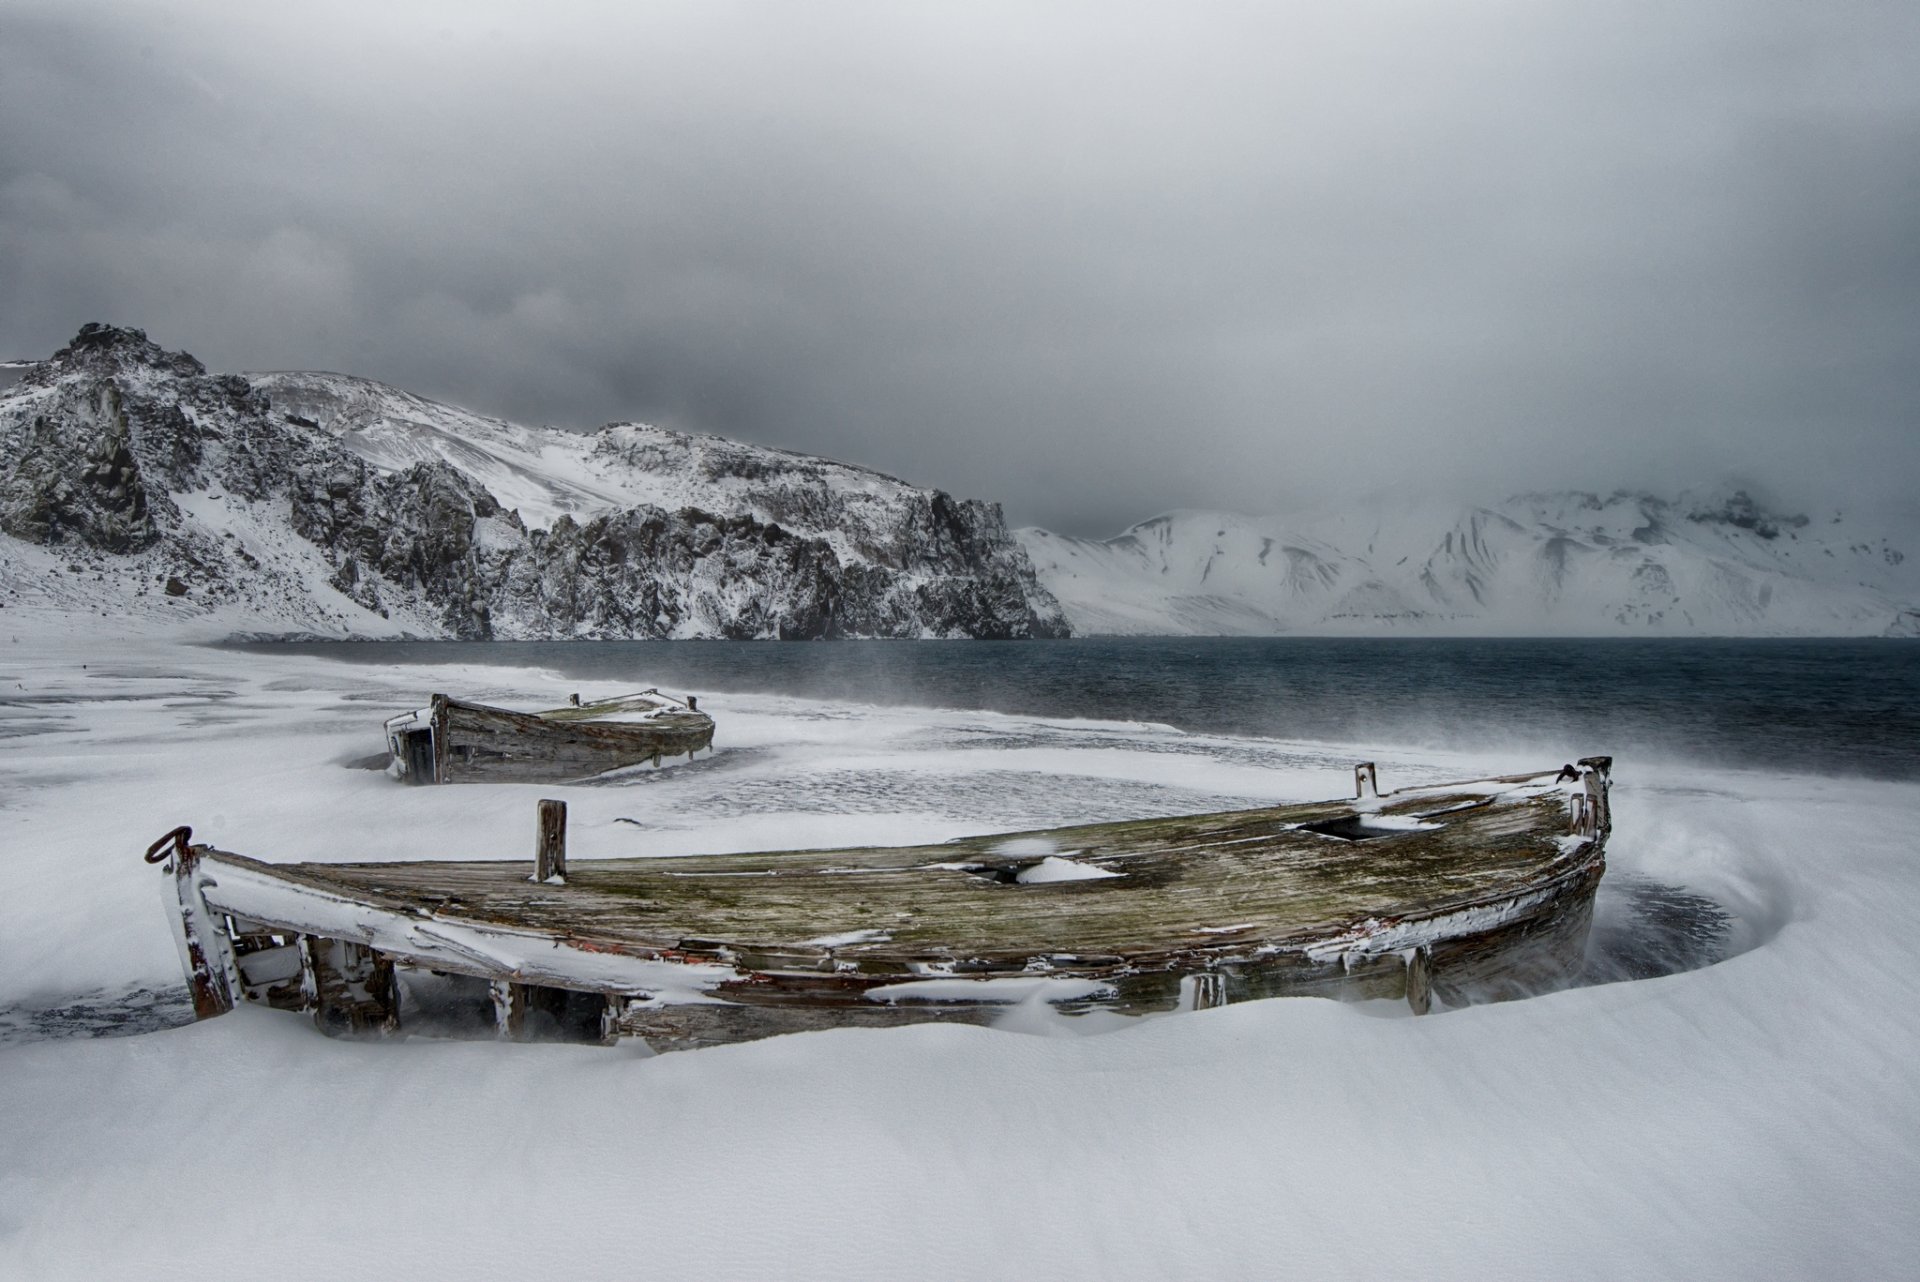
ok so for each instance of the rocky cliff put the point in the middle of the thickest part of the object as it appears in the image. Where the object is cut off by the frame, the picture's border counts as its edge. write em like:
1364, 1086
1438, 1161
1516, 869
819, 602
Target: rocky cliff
132, 479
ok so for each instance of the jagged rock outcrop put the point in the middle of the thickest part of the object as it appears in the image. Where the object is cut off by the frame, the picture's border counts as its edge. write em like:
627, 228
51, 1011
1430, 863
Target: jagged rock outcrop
74, 478
299, 513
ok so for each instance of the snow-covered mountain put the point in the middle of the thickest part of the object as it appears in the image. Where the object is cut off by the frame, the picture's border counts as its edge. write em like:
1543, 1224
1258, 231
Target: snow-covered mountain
134, 482
1713, 563
131, 480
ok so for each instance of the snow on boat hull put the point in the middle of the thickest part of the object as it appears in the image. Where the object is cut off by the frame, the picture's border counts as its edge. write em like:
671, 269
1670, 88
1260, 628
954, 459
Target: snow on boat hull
453, 741
1458, 893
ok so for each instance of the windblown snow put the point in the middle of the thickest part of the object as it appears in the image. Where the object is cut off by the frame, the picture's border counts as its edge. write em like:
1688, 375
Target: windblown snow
1705, 563
1747, 1119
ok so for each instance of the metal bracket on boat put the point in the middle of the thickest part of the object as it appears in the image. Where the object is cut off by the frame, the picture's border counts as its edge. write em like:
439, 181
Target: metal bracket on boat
178, 838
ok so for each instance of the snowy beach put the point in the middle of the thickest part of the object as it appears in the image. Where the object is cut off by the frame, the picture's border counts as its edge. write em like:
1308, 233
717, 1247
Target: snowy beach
1061, 446
1755, 1117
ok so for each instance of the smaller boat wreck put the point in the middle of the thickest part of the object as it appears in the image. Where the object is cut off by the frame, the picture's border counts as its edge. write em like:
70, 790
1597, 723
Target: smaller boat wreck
453, 741
1456, 893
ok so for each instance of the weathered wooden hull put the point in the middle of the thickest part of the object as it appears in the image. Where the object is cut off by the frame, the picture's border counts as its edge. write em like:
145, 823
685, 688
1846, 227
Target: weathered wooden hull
1463, 893
459, 742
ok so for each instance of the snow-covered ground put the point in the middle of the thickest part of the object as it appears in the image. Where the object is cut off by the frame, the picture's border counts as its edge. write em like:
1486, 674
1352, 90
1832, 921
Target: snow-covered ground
1759, 1117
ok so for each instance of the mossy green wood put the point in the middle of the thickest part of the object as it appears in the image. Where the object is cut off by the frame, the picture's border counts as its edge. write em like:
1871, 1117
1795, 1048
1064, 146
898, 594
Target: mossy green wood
646, 701
1217, 882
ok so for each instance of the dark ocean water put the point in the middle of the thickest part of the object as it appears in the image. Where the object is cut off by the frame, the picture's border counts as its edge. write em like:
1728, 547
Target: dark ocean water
1828, 707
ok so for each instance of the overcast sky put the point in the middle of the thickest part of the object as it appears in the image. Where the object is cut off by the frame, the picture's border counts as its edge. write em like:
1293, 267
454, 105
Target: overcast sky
1094, 261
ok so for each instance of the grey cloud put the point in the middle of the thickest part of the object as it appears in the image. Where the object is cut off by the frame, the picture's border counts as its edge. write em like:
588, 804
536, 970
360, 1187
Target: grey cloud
1093, 260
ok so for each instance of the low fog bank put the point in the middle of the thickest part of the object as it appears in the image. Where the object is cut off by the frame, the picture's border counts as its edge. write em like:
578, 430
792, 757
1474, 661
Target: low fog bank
1848, 708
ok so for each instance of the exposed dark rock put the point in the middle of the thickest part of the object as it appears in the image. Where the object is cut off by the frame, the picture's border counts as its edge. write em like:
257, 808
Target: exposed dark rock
1740, 511
108, 444
73, 477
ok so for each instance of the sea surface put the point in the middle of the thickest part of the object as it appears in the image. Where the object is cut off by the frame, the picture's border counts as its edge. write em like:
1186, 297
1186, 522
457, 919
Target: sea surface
1842, 707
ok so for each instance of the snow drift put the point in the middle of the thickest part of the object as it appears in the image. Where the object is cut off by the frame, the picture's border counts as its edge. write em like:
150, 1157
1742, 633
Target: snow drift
1749, 1119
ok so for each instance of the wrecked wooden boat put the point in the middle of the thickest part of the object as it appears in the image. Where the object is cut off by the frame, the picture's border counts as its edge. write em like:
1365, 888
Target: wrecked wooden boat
1454, 893
453, 741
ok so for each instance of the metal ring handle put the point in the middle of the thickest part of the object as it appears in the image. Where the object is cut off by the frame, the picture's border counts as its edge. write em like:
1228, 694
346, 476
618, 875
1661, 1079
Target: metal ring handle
178, 838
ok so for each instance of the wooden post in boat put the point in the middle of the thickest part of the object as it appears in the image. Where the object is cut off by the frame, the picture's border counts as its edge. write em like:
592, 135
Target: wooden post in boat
533, 1013
1366, 781
610, 1017
693, 703
510, 1009
550, 852
1419, 981
1599, 781
437, 719
1203, 991
1591, 815
1581, 807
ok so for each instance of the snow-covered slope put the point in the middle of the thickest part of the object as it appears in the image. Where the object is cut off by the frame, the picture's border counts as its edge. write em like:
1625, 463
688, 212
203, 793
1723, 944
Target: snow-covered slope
539, 472
131, 480
1564, 563
545, 473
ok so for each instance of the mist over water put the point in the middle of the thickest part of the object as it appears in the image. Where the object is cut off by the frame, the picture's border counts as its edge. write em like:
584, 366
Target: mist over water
1845, 707
1682, 892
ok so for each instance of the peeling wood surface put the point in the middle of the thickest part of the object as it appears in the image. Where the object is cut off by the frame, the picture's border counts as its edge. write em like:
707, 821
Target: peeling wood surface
1202, 881
1456, 893
1286, 876
474, 743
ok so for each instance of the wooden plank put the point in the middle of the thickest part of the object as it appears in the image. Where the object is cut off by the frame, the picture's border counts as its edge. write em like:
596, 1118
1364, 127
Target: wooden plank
421, 763
1185, 884
205, 949
675, 1028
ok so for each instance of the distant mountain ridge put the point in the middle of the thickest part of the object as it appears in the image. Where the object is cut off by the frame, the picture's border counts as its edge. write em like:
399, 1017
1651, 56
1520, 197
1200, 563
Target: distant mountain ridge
132, 480
1573, 563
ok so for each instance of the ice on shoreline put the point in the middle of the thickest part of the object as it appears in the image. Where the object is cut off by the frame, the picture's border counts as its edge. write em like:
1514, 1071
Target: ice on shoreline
1747, 1119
